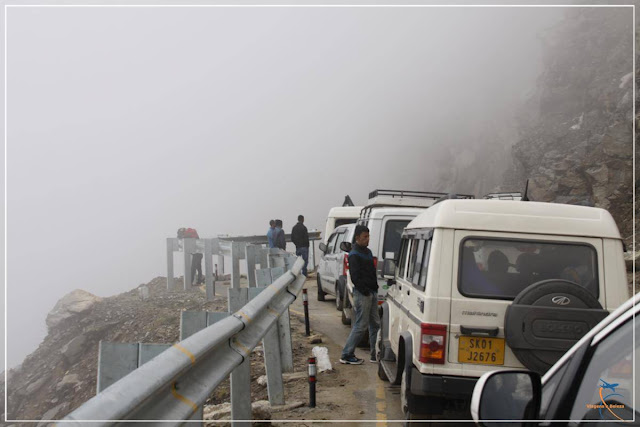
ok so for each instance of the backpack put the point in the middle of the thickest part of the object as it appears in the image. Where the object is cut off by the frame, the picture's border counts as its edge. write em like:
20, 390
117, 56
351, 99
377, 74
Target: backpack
191, 233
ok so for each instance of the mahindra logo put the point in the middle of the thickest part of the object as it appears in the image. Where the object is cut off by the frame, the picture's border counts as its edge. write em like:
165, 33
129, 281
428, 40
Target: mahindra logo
560, 300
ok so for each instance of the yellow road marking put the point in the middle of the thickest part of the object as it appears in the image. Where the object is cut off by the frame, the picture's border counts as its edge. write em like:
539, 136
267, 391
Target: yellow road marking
187, 352
182, 398
381, 404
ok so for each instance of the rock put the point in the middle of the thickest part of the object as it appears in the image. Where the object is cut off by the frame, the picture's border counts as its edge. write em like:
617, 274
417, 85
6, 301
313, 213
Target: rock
73, 349
629, 257
314, 339
35, 386
261, 410
68, 380
617, 141
52, 413
287, 377
599, 174
71, 304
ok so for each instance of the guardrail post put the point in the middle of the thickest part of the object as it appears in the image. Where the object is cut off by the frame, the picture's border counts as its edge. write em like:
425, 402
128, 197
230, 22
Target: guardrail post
189, 247
251, 251
286, 348
115, 360
208, 269
235, 265
170, 249
272, 361
241, 375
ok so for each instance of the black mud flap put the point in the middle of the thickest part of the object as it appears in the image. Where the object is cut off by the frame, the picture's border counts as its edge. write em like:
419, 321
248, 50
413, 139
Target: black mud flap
548, 318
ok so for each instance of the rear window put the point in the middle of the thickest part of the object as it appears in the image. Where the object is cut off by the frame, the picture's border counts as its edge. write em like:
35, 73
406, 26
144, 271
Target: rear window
492, 268
392, 236
343, 221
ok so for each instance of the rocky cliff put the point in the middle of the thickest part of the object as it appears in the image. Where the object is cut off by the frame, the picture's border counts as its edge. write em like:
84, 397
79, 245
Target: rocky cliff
576, 134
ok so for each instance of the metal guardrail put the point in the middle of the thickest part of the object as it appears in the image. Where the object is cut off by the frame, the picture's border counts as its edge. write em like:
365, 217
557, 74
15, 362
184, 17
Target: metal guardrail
177, 382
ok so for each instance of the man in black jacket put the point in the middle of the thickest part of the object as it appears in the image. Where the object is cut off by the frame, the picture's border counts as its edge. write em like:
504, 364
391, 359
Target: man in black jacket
365, 297
300, 238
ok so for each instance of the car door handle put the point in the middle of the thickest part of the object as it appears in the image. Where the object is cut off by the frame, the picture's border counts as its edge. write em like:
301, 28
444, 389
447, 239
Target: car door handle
468, 330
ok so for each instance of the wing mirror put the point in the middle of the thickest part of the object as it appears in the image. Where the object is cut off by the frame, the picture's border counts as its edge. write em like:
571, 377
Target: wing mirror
323, 247
506, 395
345, 246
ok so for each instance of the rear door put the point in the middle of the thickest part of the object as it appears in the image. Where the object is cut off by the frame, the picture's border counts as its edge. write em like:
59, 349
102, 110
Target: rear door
325, 271
489, 270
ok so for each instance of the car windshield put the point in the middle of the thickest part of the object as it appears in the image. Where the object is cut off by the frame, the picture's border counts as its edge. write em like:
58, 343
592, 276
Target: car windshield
493, 268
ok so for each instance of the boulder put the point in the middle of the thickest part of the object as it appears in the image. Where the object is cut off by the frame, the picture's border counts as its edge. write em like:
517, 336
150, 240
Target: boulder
71, 304
67, 381
35, 385
72, 350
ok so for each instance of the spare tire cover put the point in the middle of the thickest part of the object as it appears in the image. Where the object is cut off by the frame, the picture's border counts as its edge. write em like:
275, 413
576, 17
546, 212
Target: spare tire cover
546, 300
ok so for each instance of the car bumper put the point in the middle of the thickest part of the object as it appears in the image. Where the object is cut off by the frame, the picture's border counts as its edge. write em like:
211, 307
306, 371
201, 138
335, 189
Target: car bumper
441, 385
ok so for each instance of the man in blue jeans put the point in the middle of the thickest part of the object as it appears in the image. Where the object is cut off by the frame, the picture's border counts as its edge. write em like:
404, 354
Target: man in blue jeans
300, 238
365, 298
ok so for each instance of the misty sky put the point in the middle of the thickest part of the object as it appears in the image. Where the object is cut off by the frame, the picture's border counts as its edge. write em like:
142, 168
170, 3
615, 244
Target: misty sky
124, 124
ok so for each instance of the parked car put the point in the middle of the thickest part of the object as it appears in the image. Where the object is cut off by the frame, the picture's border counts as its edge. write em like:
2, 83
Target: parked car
332, 267
340, 215
386, 215
481, 284
593, 382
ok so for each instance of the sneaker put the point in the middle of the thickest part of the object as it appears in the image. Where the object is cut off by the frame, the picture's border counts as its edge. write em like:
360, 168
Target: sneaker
351, 360
372, 359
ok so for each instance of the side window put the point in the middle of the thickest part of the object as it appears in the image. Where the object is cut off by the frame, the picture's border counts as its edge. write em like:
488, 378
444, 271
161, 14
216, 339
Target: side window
403, 258
413, 252
605, 391
392, 236
425, 265
331, 243
418, 263
339, 240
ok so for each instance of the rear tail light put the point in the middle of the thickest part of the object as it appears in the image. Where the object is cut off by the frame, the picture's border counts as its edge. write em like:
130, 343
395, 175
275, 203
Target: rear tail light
345, 264
375, 262
432, 343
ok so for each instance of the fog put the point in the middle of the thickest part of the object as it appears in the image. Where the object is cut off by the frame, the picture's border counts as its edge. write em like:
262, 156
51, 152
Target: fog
124, 124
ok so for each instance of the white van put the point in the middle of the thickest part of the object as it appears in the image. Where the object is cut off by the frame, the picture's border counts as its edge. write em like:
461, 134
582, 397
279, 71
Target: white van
332, 268
338, 216
487, 284
386, 215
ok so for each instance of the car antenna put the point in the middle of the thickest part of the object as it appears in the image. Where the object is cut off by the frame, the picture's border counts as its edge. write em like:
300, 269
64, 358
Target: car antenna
525, 196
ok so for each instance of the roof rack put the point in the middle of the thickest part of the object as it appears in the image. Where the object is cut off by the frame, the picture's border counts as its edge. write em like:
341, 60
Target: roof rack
504, 196
453, 196
403, 198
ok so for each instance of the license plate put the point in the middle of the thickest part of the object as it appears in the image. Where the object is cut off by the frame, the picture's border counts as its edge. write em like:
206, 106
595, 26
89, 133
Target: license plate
481, 350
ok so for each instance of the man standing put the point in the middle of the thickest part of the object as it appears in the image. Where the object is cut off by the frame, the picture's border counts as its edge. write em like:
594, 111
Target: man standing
270, 234
300, 238
278, 236
365, 297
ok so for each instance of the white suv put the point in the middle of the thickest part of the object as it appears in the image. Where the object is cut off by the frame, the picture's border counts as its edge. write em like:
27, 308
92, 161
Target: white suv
386, 215
486, 284
332, 267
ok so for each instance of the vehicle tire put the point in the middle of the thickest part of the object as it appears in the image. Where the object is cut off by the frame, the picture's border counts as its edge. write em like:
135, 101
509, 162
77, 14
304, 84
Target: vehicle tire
379, 352
346, 307
406, 399
339, 301
321, 293
536, 317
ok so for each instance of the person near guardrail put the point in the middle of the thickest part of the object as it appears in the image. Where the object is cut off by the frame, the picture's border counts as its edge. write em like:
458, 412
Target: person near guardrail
280, 240
300, 238
270, 234
365, 298
196, 258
